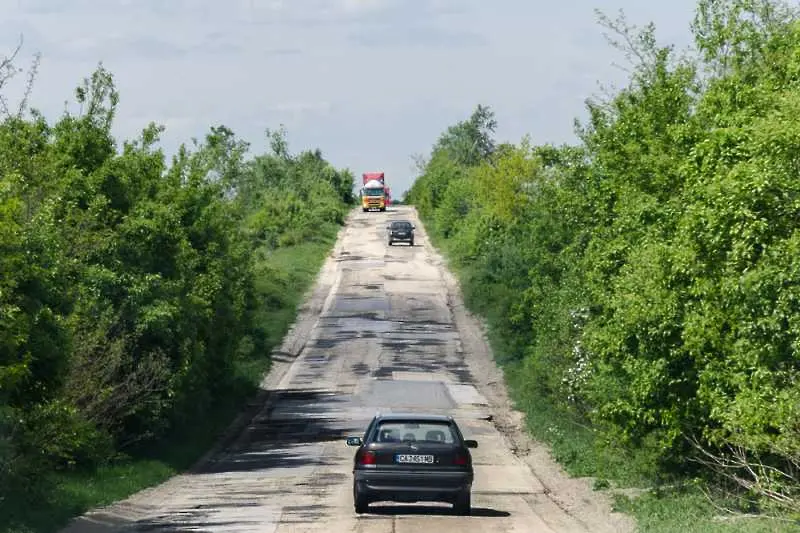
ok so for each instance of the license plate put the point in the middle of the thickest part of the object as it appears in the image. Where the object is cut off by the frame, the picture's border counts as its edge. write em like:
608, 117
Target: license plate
415, 459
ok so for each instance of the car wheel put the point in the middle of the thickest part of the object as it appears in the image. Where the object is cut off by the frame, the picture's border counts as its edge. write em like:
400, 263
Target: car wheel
463, 504
391, 242
360, 502
412, 242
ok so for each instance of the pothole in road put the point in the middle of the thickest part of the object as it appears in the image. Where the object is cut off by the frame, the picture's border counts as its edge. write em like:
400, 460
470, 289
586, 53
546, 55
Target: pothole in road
360, 304
326, 344
425, 363
317, 359
367, 286
403, 345
296, 432
348, 327
360, 369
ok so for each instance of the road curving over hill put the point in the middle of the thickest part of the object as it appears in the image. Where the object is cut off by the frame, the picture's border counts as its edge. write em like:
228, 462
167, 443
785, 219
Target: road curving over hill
384, 328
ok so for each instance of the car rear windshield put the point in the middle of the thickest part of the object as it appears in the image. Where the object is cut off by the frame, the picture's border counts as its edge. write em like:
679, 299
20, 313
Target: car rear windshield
411, 431
401, 225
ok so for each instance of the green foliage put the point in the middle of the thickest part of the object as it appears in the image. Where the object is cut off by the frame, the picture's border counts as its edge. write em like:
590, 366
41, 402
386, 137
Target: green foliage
469, 142
643, 285
134, 291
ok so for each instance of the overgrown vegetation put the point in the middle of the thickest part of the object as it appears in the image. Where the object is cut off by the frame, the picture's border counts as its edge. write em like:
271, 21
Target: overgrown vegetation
643, 286
139, 297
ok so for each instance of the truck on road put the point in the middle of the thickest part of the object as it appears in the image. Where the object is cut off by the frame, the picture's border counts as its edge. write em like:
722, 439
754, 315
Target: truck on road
374, 192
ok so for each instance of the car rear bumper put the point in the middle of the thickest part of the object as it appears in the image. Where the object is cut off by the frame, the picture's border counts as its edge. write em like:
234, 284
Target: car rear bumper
412, 486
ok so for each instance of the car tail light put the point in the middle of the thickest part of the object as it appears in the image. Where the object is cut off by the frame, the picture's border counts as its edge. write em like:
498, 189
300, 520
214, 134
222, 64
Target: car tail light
367, 458
460, 459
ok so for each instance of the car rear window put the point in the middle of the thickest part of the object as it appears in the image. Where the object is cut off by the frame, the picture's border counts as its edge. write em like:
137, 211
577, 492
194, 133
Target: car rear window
410, 431
401, 225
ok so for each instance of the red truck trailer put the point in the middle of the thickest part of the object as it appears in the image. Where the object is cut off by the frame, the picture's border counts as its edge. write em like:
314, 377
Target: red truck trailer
369, 176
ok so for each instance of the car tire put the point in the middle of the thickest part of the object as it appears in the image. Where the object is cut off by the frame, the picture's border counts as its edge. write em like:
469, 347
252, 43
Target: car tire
463, 504
411, 243
364, 209
391, 242
360, 502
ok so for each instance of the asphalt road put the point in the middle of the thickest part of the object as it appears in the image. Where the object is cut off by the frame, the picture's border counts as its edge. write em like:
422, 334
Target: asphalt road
378, 333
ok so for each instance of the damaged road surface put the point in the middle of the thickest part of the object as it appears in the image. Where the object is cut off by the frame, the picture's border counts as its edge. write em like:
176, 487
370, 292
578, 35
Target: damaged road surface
381, 331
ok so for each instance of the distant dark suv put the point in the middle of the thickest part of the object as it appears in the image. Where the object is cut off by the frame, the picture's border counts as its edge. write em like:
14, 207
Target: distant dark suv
401, 231
412, 458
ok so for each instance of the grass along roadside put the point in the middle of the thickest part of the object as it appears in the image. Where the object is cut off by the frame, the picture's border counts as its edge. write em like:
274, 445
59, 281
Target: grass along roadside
285, 277
659, 505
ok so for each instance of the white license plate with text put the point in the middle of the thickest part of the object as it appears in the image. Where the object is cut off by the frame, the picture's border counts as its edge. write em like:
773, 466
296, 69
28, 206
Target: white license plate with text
415, 459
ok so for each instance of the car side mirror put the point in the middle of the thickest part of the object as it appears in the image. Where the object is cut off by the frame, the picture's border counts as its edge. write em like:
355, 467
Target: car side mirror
413, 227
471, 443
354, 441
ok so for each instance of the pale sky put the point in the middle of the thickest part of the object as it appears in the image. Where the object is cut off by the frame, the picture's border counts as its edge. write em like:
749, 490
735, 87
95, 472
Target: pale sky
369, 82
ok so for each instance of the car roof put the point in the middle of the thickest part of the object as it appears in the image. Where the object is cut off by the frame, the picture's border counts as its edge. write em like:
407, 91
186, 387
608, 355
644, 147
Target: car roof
421, 417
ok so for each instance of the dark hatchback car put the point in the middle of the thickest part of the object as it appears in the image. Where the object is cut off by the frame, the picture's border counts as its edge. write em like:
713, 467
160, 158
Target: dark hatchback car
412, 458
401, 231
